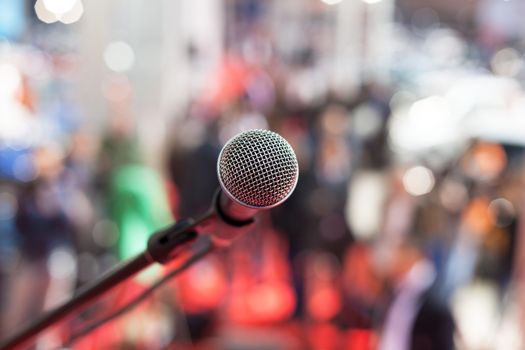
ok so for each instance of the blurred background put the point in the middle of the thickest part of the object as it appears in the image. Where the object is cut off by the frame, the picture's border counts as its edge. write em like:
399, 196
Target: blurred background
406, 229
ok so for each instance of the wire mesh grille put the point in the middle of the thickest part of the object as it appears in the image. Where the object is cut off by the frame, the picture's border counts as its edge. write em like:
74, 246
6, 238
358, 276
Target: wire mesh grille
258, 168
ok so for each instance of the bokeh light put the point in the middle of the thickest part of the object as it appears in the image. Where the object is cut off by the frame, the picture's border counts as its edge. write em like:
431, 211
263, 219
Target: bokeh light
507, 62
331, 2
59, 7
418, 180
475, 308
65, 11
367, 121
427, 123
10, 81
74, 14
453, 194
44, 14
119, 56
62, 263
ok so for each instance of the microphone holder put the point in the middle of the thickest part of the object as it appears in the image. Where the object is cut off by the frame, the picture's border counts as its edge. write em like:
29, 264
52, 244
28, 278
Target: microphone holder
162, 247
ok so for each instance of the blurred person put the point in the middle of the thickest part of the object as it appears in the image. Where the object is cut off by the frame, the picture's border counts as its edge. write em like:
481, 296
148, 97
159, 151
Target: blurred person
363, 290
415, 318
371, 112
192, 162
261, 291
325, 162
518, 275
118, 147
332, 167
8, 246
293, 218
137, 211
363, 298
45, 235
479, 247
79, 165
323, 299
399, 210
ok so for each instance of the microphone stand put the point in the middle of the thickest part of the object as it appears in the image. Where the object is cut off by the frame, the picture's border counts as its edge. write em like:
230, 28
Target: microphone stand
163, 246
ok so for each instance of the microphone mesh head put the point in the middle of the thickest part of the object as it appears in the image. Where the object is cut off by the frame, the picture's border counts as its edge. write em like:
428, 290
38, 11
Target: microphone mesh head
258, 169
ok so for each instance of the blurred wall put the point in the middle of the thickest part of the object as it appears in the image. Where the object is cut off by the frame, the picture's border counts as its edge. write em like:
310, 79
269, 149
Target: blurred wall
176, 45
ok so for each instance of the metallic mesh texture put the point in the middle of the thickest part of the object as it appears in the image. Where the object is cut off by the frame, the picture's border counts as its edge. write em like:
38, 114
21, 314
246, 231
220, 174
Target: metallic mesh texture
258, 168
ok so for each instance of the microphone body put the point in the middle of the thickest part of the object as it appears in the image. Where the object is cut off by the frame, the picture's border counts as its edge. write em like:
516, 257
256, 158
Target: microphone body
233, 210
226, 220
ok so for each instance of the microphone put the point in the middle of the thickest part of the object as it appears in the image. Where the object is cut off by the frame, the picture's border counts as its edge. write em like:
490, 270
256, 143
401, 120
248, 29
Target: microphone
257, 170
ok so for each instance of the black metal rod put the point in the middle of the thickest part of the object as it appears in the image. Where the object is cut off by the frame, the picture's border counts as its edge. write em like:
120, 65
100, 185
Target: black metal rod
162, 247
84, 296
201, 248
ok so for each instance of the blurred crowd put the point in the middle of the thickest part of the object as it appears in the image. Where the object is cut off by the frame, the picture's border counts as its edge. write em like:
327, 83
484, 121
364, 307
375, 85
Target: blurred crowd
405, 230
